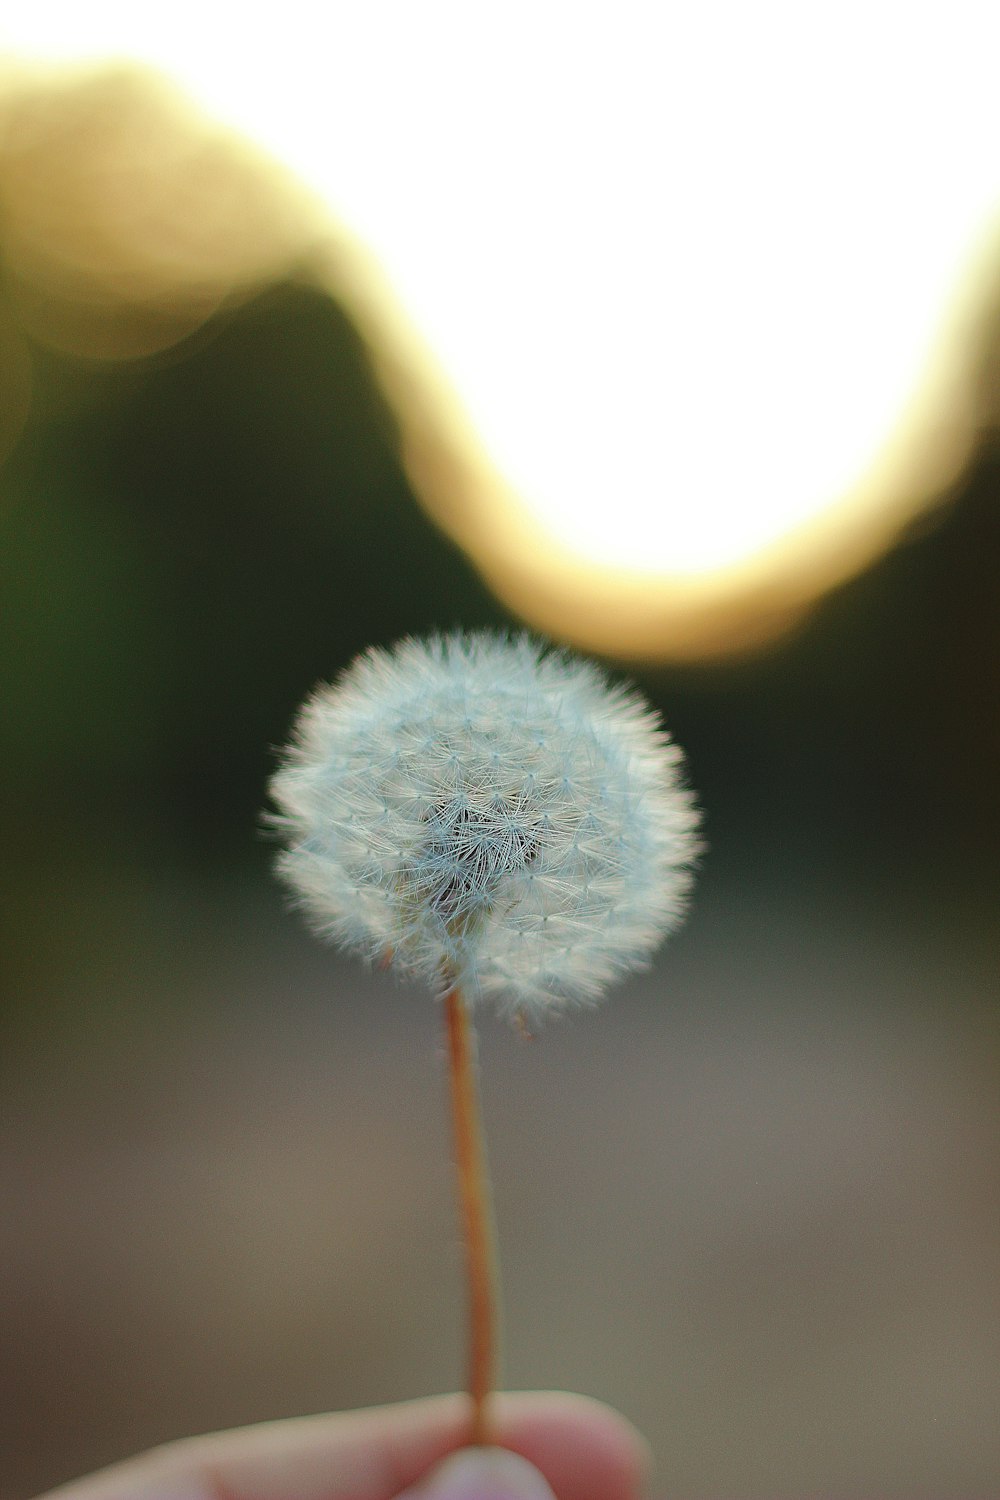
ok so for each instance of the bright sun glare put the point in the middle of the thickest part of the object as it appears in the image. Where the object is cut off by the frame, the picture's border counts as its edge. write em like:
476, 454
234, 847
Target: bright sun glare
688, 269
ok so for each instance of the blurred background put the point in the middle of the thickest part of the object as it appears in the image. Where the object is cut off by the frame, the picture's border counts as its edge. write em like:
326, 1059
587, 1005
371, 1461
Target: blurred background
752, 1200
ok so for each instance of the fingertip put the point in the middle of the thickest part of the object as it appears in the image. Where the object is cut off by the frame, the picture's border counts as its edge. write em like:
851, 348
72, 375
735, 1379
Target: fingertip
583, 1447
482, 1474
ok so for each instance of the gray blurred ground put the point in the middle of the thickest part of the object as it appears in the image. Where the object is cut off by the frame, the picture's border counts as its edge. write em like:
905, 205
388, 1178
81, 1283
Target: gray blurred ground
752, 1200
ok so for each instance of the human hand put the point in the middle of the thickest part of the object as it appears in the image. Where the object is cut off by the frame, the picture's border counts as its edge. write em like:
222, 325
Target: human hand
551, 1445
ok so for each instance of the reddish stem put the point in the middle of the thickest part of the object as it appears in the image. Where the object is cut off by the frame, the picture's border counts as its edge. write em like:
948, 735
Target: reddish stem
477, 1218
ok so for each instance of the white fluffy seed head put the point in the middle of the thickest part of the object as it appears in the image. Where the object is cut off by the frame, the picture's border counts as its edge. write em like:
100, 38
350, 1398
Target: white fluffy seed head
485, 811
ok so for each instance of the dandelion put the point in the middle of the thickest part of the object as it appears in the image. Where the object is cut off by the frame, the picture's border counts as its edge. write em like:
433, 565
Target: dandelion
483, 812
496, 819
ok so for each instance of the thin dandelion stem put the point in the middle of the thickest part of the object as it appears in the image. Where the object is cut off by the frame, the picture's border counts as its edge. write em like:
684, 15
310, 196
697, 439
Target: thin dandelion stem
476, 1212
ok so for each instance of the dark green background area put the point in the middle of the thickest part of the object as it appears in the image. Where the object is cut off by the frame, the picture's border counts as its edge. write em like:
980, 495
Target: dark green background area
748, 1200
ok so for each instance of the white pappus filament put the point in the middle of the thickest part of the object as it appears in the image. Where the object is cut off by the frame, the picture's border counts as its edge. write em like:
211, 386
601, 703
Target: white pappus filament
482, 810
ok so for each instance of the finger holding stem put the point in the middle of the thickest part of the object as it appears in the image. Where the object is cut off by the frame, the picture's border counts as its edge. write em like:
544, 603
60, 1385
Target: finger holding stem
476, 1212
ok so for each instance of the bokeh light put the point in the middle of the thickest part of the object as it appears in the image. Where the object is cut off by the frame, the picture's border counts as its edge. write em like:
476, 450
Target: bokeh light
128, 219
766, 302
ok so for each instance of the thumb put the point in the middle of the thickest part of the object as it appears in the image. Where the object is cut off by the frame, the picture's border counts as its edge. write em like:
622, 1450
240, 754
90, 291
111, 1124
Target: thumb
481, 1474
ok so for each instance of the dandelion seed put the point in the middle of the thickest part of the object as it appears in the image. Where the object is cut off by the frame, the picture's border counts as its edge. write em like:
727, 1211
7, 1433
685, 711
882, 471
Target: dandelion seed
496, 819
491, 814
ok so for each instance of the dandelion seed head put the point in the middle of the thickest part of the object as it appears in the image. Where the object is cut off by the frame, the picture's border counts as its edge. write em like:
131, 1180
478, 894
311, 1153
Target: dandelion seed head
482, 810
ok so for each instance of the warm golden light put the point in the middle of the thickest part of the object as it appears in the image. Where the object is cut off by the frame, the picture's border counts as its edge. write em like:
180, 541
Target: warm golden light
127, 219
684, 288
